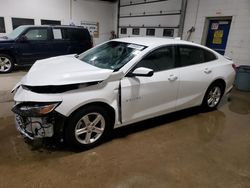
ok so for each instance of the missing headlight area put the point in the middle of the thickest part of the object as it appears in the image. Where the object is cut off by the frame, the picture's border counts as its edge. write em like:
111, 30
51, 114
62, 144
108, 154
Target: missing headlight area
38, 119
35, 127
50, 89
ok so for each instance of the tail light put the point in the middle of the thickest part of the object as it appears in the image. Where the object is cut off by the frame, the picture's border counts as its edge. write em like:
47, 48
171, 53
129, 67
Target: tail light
234, 67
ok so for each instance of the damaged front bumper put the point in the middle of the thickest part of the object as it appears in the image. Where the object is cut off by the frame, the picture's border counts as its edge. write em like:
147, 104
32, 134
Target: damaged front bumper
33, 125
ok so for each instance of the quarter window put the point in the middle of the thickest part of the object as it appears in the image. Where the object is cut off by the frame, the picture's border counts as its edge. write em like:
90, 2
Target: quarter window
37, 34
159, 60
75, 34
209, 56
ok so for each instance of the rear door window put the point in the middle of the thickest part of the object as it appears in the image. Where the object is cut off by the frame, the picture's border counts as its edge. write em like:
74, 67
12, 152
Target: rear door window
192, 55
57, 33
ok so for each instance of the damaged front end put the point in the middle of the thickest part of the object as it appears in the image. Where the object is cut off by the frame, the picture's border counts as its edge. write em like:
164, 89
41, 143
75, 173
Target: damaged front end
40, 119
37, 120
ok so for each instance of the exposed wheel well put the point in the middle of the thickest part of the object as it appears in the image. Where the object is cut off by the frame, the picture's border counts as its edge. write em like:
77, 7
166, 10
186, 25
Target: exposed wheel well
220, 81
110, 110
9, 54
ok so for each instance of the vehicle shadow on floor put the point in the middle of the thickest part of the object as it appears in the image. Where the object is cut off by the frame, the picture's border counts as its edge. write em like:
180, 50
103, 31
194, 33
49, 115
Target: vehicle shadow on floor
54, 145
22, 68
154, 122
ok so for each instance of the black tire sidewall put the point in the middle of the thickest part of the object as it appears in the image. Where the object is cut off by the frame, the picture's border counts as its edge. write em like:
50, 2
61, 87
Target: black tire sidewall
11, 61
73, 120
205, 105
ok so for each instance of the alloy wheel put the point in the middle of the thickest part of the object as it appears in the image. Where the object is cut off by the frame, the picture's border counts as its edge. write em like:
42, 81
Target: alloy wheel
90, 128
214, 96
5, 64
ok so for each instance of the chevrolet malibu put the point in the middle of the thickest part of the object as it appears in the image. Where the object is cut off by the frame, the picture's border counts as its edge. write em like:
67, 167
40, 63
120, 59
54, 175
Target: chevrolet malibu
80, 99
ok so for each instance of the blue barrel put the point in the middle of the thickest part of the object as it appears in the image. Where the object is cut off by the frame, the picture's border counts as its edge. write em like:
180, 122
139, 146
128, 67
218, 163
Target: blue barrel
242, 81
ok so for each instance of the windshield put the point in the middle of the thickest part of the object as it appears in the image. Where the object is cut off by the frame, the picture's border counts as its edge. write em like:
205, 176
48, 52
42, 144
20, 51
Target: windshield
111, 55
16, 32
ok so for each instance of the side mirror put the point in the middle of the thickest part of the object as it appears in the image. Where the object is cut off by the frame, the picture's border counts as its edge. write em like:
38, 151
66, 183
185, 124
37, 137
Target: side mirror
22, 39
142, 71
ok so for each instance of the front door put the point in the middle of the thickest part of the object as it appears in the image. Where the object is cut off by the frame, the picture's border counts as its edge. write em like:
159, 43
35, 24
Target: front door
145, 97
217, 36
36, 46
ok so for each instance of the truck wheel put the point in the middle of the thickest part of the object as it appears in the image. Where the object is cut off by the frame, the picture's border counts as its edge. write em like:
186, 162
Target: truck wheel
6, 63
87, 127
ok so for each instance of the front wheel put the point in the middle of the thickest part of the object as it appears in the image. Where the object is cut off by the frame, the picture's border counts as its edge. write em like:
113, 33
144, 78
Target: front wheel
6, 63
212, 97
88, 127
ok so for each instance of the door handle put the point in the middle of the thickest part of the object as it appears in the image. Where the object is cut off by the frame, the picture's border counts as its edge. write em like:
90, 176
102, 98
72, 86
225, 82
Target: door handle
172, 78
207, 71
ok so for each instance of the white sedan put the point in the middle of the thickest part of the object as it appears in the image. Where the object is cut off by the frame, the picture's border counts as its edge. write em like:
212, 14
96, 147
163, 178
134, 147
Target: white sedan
79, 99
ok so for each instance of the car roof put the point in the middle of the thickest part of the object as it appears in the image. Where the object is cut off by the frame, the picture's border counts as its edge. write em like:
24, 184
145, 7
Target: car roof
154, 41
58, 26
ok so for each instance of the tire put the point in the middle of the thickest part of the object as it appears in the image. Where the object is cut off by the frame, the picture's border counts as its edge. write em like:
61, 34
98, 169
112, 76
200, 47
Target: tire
213, 96
6, 63
87, 128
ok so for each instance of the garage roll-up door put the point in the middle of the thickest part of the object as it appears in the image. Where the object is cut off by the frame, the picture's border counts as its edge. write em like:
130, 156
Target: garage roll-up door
149, 17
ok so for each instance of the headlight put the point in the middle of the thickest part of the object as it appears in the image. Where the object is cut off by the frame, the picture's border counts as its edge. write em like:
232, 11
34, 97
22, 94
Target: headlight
32, 109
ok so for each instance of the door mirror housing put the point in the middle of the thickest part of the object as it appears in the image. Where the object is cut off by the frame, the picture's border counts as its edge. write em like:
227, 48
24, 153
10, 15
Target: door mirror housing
22, 39
141, 71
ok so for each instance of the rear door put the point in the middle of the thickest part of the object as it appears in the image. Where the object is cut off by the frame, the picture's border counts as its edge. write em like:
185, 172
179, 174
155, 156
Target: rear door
196, 74
61, 43
36, 46
144, 97
80, 40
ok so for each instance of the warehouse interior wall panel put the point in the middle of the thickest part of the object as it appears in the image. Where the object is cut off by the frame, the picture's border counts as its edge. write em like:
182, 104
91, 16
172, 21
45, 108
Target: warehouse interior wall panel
151, 21
163, 7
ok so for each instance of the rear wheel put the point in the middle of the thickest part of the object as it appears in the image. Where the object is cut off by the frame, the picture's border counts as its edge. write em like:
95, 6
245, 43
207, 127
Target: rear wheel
88, 127
6, 63
213, 96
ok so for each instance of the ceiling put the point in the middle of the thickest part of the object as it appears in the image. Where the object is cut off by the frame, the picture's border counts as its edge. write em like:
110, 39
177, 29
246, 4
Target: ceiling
110, 0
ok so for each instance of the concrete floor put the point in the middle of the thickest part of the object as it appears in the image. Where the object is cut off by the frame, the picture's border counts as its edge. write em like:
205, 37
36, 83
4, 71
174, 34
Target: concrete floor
183, 149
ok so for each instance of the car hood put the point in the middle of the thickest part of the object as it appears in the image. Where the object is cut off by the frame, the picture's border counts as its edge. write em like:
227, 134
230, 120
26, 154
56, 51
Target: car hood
6, 40
63, 70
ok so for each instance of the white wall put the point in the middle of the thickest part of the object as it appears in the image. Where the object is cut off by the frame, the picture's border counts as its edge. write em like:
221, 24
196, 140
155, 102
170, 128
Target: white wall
96, 11
238, 45
82, 10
